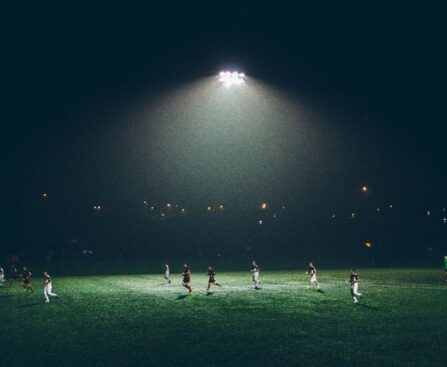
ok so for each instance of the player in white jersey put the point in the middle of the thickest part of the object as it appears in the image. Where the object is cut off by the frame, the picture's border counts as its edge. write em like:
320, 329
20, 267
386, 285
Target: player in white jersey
2, 276
354, 279
167, 274
255, 270
313, 275
48, 287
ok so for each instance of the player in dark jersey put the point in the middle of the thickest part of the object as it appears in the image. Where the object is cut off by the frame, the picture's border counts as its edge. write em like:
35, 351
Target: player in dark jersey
313, 275
186, 274
354, 279
26, 279
255, 270
48, 287
445, 267
13, 275
212, 279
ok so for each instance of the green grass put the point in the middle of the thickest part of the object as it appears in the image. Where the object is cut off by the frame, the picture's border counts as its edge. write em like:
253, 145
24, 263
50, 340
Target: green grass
140, 320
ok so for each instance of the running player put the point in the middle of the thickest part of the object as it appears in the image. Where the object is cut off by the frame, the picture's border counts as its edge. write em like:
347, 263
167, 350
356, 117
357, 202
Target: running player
313, 275
186, 274
354, 279
167, 274
212, 279
13, 275
26, 279
445, 267
48, 286
2, 276
255, 270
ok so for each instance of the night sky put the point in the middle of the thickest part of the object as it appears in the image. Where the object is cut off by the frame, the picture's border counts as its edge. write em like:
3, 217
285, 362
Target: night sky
117, 105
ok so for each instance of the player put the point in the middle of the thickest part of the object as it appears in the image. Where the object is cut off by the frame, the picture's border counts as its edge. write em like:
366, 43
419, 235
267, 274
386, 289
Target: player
186, 274
212, 279
14, 275
445, 267
26, 279
354, 279
167, 274
48, 286
2, 276
255, 270
313, 276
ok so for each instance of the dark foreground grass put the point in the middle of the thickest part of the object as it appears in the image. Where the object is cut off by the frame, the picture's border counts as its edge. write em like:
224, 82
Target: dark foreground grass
140, 320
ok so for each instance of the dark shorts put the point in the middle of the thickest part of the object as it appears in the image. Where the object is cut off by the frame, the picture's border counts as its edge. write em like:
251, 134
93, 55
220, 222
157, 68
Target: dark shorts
212, 280
186, 281
25, 281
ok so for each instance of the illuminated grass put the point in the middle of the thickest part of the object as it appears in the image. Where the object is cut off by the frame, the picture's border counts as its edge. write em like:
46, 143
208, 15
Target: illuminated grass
141, 320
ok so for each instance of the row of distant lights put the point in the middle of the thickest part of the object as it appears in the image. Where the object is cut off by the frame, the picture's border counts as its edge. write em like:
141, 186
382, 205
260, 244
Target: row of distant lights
231, 77
354, 214
209, 208
263, 206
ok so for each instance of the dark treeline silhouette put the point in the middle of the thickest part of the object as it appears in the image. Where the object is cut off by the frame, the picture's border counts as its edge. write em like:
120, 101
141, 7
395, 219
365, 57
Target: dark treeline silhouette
396, 236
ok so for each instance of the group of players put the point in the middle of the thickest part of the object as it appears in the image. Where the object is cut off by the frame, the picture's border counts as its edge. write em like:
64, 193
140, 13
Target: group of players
25, 279
354, 279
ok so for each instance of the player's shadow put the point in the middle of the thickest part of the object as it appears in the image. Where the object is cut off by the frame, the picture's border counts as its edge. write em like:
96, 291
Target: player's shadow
209, 293
183, 296
367, 307
321, 291
29, 305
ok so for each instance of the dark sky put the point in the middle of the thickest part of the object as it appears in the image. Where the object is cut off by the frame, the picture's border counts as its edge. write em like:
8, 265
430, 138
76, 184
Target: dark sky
75, 80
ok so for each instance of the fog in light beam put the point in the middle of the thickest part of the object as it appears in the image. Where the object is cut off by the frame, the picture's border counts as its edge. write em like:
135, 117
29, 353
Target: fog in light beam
207, 141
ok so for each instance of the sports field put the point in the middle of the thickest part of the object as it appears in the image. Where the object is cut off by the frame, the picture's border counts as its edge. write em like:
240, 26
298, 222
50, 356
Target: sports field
140, 320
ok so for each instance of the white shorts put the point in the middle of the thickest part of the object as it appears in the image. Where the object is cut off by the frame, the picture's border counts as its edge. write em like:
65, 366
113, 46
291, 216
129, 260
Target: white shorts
313, 278
256, 277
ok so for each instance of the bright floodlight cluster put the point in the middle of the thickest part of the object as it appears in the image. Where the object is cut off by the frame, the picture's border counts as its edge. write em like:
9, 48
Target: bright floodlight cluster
230, 78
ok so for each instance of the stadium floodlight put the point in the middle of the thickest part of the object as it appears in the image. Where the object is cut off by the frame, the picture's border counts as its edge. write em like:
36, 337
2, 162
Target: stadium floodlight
230, 78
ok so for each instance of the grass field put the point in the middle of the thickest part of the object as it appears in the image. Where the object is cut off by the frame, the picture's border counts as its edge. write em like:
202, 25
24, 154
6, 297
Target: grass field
141, 320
